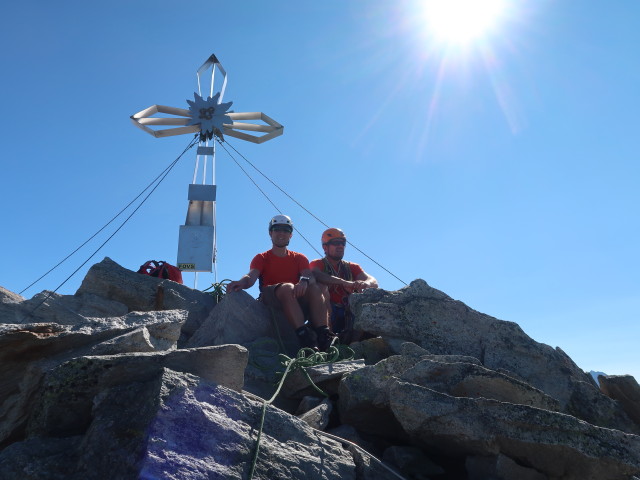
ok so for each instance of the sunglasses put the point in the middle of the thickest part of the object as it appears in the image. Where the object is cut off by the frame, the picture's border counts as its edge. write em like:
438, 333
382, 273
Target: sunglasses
337, 243
282, 228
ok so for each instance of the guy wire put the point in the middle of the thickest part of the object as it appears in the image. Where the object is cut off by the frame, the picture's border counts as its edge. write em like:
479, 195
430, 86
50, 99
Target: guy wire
263, 193
163, 175
300, 205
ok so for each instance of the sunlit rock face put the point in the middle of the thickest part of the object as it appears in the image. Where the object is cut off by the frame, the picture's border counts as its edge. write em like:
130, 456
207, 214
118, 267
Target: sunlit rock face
443, 326
134, 377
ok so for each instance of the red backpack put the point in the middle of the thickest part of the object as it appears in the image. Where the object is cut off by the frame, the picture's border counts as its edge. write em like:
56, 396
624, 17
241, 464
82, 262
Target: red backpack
161, 270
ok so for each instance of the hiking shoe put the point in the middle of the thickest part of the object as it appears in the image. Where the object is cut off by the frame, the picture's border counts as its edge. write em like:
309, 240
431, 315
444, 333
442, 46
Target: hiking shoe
305, 339
325, 338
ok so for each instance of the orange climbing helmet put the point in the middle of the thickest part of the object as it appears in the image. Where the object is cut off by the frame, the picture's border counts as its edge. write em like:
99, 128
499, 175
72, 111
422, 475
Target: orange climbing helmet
332, 233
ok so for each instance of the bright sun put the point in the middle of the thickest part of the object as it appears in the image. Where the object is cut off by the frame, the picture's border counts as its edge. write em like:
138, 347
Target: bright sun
462, 21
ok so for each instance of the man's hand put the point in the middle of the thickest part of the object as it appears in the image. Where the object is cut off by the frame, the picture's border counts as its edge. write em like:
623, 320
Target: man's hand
300, 288
237, 285
359, 286
348, 286
356, 286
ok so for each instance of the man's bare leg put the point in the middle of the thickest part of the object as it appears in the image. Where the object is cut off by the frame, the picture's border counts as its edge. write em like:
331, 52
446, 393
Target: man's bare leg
290, 305
318, 310
294, 314
319, 313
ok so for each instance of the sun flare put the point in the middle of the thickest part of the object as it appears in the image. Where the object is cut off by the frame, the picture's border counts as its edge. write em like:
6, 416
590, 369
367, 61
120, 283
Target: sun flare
462, 21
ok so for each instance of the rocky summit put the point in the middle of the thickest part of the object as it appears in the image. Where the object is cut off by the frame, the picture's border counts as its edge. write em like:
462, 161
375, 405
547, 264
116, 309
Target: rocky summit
135, 377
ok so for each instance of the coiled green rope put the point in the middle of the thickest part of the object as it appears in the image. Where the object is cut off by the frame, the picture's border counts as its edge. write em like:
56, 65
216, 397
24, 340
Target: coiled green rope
217, 289
306, 357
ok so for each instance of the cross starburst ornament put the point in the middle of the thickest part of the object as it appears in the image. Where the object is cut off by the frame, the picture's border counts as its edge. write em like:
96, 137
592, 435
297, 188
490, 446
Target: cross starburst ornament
210, 115
190, 121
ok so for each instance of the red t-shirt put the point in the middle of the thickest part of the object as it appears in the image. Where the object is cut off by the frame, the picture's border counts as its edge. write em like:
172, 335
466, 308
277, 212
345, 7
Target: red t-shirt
274, 269
339, 295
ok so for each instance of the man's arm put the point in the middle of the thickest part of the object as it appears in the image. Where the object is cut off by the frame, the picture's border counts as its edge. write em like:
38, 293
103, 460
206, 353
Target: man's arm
325, 278
300, 288
245, 282
365, 280
308, 274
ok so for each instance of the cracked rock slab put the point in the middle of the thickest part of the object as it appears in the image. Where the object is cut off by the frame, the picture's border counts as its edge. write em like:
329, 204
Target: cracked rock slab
555, 444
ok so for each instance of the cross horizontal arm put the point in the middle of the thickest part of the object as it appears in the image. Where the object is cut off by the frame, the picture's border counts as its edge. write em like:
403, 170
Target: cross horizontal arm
144, 118
153, 109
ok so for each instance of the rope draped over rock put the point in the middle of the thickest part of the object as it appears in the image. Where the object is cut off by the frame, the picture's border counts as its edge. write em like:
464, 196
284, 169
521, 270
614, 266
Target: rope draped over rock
306, 357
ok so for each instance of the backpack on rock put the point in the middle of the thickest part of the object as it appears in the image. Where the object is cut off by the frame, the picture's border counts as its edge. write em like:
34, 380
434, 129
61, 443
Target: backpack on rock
161, 269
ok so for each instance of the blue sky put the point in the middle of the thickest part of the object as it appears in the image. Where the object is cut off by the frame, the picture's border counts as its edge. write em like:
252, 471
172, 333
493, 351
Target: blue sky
504, 173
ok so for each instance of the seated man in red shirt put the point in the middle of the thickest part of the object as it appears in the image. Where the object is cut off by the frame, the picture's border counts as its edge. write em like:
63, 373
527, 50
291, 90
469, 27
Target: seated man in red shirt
341, 278
286, 281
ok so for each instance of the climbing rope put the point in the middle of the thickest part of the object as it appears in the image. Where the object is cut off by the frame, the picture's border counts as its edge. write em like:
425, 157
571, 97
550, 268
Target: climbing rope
305, 358
217, 289
344, 441
296, 202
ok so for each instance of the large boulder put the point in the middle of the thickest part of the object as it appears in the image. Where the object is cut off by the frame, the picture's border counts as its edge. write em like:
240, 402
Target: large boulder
64, 404
364, 394
474, 381
443, 326
9, 302
51, 307
560, 446
624, 389
29, 351
239, 318
363, 397
469, 410
169, 425
138, 292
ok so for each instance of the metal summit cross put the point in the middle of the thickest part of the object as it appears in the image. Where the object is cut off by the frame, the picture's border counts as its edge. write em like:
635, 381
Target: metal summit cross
209, 116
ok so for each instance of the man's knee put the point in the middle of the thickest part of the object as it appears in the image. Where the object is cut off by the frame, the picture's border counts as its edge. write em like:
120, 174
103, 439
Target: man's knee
284, 292
315, 290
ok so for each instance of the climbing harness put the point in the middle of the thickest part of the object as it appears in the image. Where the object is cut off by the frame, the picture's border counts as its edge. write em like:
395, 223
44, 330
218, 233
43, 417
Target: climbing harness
344, 268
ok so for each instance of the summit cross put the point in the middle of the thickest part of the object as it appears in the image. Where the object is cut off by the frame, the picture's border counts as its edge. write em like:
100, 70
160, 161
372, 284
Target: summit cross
209, 117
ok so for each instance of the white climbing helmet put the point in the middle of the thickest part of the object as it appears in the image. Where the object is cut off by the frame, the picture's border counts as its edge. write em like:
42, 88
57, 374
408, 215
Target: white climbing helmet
280, 220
